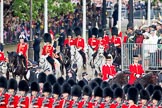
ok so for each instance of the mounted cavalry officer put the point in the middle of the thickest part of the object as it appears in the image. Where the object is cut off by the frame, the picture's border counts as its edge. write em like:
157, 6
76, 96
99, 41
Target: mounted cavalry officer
93, 42
79, 43
136, 70
22, 48
69, 40
48, 49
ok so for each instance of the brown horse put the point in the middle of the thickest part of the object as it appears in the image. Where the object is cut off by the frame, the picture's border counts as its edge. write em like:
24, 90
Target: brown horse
121, 79
148, 78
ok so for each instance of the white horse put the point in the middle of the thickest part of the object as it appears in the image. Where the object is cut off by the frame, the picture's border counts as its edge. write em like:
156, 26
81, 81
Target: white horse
99, 60
3, 68
89, 52
76, 61
45, 65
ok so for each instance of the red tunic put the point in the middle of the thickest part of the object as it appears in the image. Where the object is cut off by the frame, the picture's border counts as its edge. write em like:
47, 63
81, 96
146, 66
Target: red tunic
106, 38
25, 102
79, 43
69, 42
93, 42
125, 39
37, 103
22, 48
14, 101
107, 71
116, 40
6, 97
135, 69
48, 49
2, 57
49, 103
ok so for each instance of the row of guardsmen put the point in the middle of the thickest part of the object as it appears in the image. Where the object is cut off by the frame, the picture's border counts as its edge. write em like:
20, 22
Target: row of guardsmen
49, 92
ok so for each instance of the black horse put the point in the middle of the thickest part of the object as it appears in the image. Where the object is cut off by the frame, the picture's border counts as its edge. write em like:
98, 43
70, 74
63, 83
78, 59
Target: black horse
115, 54
148, 78
16, 65
120, 78
66, 57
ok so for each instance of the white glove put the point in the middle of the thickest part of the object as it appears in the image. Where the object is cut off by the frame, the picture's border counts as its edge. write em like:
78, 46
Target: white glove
110, 76
20, 53
93, 46
138, 75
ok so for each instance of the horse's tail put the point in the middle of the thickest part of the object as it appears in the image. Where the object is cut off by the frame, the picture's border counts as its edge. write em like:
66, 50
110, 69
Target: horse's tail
26, 76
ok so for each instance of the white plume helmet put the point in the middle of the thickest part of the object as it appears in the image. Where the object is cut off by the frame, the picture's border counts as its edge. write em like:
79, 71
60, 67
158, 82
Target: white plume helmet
22, 36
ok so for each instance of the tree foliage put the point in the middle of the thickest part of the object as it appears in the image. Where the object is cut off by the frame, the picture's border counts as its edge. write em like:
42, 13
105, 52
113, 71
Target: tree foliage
21, 8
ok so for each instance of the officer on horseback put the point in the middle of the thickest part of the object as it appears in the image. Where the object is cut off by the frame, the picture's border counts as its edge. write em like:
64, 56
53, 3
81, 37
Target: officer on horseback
22, 48
48, 49
79, 43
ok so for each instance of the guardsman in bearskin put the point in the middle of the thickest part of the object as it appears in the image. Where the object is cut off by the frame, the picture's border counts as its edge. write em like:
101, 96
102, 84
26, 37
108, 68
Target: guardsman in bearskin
101, 40
35, 101
66, 98
51, 79
97, 99
108, 96
79, 43
69, 40
60, 80
76, 96
23, 100
108, 70
106, 36
41, 80
56, 95
135, 69
118, 98
48, 49
156, 100
22, 48
12, 90
116, 40
47, 100
86, 97
145, 97
93, 42
132, 98
3, 95
2, 56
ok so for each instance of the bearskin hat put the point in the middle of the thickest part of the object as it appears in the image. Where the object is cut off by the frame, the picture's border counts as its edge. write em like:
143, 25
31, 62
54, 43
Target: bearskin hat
118, 92
23, 86
104, 84
93, 84
12, 84
156, 95
126, 87
100, 33
108, 57
138, 86
98, 80
144, 94
42, 77
35, 86
157, 87
69, 32
150, 89
82, 83
77, 31
51, 79
108, 92
60, 80
98, 91
130, 26
47, 38
66, 88
95, 31
76, 91
47, 87
133, 94
114, 31
87, 91
114, 86
71, 82
57, 89
3, 82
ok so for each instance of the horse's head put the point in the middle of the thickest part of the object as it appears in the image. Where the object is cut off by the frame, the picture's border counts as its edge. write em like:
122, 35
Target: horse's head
101, 50
12, 56
42, 59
